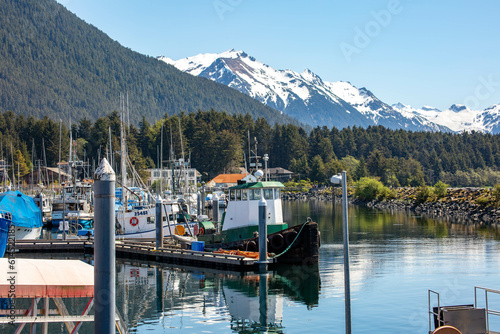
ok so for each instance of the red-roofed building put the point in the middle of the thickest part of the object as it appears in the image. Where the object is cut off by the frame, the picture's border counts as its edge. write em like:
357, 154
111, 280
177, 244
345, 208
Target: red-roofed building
229, 180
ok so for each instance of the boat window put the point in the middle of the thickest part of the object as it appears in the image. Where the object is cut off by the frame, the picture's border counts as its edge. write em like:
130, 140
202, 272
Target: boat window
277, 194
232, 193
268, 193
151, 220
244, 194
238, 194
254, 194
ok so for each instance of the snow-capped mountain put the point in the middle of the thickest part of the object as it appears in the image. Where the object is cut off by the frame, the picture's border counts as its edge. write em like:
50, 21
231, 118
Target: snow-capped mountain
313, 101
458, 117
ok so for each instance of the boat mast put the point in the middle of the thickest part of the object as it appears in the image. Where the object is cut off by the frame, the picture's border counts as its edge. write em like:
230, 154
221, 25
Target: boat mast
60, 140
161, 160
122, 145
182, 171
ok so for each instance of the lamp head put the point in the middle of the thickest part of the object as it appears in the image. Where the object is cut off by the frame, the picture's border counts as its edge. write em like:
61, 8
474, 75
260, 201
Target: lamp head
336, 179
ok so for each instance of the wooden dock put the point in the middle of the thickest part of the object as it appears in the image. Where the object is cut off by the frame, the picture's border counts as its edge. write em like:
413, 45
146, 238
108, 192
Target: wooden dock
142, 249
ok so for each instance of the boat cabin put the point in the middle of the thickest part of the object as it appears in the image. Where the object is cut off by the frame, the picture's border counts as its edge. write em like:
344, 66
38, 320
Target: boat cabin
243, 205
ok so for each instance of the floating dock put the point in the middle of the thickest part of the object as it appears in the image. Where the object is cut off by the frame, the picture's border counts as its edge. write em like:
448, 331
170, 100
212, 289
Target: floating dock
42, 281
143, 249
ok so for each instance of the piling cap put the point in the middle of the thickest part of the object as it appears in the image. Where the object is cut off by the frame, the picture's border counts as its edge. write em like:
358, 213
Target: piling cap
104, 172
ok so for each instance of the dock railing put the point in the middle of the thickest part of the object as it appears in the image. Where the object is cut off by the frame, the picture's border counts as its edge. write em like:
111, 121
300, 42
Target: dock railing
487, 306
431, 310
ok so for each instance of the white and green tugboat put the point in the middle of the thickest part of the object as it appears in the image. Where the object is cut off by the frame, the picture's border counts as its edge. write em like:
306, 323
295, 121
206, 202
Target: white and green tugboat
240, 225
241, 219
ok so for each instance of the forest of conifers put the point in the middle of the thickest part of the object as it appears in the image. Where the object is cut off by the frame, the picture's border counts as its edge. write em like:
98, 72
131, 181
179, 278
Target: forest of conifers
217, 142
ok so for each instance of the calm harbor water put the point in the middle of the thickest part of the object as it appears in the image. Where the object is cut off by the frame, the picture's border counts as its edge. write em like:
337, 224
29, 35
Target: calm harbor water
395, 259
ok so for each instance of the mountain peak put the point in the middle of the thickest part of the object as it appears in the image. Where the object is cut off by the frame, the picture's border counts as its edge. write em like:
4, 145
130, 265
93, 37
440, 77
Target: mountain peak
399, 105
458, 108
311, 76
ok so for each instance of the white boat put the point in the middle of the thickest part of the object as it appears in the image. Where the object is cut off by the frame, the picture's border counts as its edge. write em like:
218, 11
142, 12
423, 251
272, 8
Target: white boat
136, 209
140, 222
74, 204
26, 216
44, 202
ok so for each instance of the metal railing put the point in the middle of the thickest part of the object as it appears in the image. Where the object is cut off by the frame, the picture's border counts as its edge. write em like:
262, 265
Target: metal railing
431, 312
488, 310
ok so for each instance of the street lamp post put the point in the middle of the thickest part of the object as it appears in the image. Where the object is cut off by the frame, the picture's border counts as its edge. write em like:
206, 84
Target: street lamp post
342, 180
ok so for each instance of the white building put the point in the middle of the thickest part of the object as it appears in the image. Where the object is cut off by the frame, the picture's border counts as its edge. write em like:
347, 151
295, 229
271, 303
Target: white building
185, 179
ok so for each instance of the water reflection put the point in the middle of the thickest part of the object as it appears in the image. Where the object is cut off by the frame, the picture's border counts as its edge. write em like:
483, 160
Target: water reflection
371, 225
185, 298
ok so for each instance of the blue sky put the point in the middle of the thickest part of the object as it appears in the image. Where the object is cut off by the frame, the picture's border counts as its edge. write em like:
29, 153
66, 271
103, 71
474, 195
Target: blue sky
423, 52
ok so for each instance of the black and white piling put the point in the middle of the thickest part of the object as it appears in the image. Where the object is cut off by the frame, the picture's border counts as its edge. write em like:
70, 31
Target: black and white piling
159, 222
262, 235
104, 249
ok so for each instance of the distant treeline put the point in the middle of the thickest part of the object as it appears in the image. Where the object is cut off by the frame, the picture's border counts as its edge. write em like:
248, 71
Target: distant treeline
217, 142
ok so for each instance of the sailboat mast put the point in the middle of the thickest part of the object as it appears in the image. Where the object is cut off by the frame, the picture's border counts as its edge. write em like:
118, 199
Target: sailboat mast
182, 171
122, 145
161, 160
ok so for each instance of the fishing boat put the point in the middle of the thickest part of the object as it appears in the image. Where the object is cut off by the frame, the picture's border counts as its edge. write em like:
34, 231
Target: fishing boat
240, 225
44, 202
136, 206
75, 204
26, 216
138, 219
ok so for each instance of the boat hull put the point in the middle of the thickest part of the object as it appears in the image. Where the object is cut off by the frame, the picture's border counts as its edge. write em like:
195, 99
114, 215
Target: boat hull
149, 233
295, 245
24, 233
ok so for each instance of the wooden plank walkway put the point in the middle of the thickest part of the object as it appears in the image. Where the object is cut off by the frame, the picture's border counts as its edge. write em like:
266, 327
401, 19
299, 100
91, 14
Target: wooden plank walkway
143, 250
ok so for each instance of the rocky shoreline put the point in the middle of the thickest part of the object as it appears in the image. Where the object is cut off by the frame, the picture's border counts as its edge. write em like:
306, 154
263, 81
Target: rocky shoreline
460, 205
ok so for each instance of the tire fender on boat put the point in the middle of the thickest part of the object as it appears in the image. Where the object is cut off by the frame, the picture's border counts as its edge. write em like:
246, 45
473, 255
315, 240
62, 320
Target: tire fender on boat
134, 221
251, 246
290, 237
277, 242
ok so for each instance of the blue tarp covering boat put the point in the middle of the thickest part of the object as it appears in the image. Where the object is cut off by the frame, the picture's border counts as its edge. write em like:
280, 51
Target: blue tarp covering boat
25, 212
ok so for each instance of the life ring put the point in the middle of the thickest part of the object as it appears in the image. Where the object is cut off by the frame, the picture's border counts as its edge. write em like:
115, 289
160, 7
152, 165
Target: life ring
276, 242
201, 231
134, 221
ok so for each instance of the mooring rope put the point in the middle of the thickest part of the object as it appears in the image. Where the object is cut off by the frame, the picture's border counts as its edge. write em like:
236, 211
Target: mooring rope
290, 246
